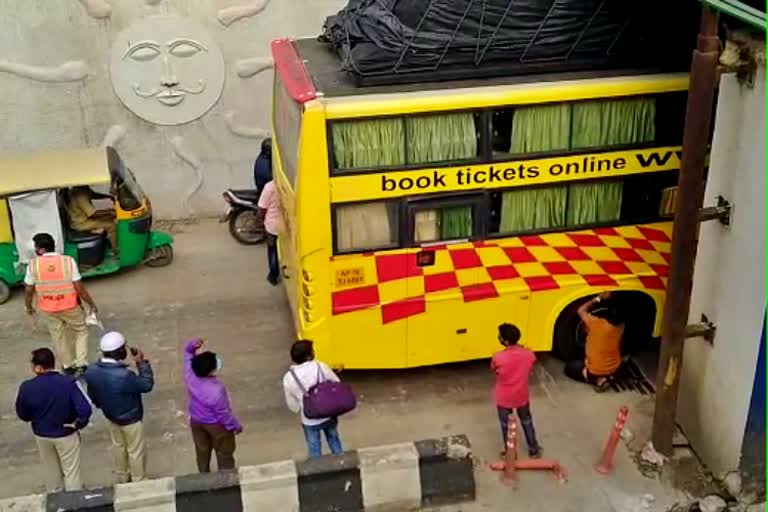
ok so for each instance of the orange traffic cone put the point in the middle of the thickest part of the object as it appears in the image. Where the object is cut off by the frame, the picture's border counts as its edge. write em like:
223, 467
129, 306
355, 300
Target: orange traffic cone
511, 464
605, 465
509, 476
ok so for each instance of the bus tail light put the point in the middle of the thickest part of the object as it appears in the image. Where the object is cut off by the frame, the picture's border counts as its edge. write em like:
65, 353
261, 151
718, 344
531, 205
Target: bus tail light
307, 276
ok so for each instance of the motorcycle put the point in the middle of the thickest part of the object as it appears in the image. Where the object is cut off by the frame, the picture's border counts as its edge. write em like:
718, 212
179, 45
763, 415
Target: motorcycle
242, 216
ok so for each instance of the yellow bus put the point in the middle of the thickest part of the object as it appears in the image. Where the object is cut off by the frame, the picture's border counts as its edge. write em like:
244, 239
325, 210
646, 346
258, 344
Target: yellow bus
419, 217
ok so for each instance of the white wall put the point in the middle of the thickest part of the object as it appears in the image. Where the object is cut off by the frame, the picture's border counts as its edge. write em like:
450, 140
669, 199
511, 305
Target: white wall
729, 282
36, 115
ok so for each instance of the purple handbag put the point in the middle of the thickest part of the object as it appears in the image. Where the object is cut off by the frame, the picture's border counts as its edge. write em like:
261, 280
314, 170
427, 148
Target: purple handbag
326, 399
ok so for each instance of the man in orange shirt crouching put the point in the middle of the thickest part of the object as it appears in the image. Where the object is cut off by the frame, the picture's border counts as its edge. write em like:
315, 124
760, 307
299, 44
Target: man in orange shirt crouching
603, 351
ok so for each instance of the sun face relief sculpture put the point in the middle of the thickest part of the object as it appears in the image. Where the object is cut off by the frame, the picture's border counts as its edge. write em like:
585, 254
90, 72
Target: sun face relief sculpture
167, 70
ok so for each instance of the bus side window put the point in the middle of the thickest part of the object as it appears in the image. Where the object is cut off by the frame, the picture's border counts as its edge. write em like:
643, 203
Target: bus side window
366, 226
392, 142
501, 132
446, 219
442, 223
648, 197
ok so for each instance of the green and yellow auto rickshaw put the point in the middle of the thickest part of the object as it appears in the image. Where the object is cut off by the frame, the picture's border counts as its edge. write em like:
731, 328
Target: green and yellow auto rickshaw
34, 191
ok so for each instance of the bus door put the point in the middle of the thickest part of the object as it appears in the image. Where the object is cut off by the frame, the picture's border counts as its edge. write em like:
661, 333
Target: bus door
455, 306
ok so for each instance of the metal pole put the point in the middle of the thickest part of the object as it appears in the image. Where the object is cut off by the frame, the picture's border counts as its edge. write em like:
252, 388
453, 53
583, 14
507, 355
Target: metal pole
690, 197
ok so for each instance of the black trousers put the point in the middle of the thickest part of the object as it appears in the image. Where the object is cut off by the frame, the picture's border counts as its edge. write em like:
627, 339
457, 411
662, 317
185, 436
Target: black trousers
272, 260
526, 421
576, 371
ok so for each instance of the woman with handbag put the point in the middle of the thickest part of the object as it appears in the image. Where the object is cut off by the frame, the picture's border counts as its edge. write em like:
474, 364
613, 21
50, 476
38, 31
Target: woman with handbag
311, 390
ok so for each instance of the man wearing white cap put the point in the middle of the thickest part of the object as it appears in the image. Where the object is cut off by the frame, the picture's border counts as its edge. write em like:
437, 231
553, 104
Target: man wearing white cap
117, 390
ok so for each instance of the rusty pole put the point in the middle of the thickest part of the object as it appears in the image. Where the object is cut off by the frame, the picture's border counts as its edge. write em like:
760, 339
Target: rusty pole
698, 119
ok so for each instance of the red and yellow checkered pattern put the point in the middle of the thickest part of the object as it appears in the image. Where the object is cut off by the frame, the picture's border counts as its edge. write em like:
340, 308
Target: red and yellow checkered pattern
635, 256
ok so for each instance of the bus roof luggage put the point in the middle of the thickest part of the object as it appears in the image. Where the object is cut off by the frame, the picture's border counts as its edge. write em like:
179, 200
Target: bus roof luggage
396, 41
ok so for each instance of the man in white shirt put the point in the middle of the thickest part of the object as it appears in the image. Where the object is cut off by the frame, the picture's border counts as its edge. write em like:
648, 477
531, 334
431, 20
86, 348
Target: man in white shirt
309, 372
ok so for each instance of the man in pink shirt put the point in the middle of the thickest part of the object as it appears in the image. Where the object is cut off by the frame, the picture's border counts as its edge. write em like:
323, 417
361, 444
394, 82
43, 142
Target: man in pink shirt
513, 366
269, 210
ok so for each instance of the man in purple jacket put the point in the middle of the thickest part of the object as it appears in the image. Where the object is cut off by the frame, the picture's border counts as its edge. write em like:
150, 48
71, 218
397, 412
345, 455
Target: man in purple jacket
210, 415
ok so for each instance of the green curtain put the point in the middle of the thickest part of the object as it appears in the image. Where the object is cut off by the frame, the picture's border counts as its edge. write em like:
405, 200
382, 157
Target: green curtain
588, 124
598, 124
380, 142
537, 129
613, 122
455, 222
361, 144
541, 128
368, 143
441, 137
528, 209
591, 203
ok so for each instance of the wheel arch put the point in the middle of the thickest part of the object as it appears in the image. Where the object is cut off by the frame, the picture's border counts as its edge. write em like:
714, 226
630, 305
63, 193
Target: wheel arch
159, 239
642, 294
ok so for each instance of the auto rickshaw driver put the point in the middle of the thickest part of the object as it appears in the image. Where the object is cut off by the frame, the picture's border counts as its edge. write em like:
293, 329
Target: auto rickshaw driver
83, 215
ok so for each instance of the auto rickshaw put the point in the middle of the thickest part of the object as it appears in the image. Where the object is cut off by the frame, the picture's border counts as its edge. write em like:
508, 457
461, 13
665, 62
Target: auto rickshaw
33, 194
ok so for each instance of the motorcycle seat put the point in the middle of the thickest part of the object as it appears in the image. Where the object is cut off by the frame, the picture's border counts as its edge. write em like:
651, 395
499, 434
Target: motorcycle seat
246, 195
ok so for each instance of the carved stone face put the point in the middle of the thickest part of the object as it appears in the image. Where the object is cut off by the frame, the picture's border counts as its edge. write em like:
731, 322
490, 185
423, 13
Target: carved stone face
167, 70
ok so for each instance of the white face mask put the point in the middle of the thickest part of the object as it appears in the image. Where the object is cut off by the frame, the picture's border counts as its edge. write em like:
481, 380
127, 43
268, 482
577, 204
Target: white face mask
219, 364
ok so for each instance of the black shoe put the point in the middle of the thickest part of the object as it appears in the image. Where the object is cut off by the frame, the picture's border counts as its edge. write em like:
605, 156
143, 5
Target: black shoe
603, 384
273, 280
535, 454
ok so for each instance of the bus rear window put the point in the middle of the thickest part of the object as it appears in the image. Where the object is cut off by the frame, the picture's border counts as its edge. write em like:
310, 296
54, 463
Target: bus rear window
287, 122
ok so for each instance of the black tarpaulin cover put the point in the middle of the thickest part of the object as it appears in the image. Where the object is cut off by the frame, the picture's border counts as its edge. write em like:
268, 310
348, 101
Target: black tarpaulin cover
398, 37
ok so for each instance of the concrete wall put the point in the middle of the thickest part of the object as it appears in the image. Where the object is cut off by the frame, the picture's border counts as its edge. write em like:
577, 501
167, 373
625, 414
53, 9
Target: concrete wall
729, 282
47, 102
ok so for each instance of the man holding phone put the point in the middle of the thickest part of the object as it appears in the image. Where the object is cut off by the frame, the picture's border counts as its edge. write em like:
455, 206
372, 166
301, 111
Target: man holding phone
117, 390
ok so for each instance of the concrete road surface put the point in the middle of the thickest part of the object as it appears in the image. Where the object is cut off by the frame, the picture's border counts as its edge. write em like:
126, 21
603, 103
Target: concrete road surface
216, 288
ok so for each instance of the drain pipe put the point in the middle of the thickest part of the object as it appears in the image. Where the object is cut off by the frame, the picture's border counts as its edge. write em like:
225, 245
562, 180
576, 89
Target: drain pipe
698, 119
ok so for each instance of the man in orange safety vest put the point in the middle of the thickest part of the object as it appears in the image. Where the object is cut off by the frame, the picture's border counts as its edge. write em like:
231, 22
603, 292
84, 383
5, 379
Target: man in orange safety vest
56, 281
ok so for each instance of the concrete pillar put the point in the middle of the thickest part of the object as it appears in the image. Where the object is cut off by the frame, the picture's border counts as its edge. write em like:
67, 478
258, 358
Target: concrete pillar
390, 476
146, 496
270, 487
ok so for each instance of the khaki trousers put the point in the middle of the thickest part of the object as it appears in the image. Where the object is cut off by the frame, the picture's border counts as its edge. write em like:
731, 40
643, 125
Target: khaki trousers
97, 222
61, 462
129, 454
70, 336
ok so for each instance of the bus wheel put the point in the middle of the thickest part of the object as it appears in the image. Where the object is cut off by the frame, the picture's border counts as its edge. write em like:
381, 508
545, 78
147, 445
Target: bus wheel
160, 256
636, 308
569, 336
5, 292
